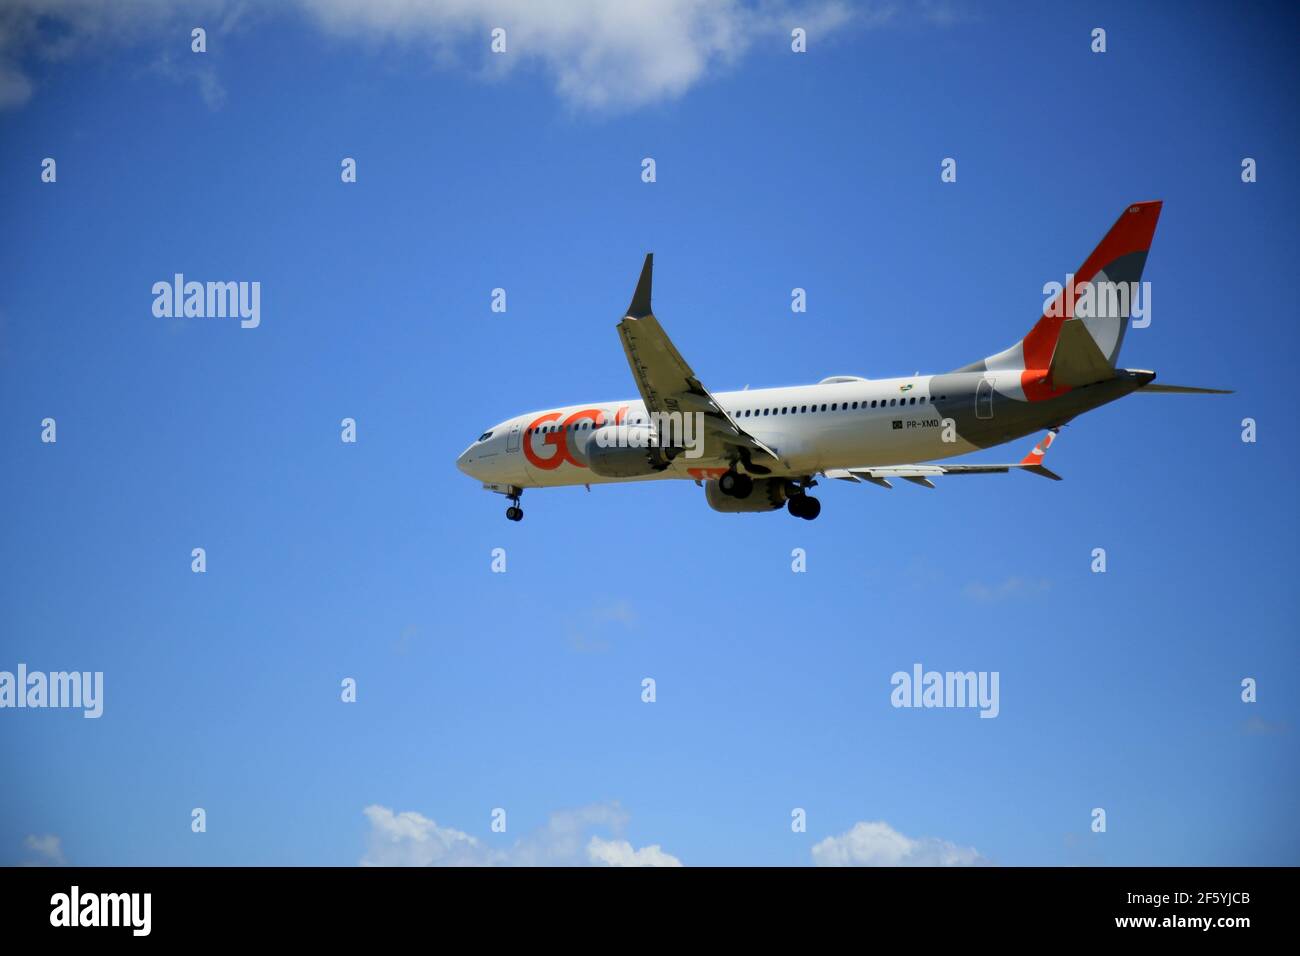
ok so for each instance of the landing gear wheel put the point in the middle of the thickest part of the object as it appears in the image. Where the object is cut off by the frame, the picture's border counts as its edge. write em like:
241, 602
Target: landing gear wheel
514, 512
736, 485
803, 506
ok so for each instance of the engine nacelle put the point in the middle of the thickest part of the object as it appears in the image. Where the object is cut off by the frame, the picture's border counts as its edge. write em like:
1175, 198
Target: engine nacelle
768, 495
625, 451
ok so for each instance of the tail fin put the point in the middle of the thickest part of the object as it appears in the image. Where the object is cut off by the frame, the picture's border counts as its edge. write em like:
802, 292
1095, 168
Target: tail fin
1100, 295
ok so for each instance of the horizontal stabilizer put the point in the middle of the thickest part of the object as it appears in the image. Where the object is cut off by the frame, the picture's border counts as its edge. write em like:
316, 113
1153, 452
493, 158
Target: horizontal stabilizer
1184, 390
1040, 470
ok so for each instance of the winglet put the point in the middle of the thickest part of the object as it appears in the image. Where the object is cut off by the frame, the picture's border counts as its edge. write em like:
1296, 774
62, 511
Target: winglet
1034, 460
1035, 457
640, 306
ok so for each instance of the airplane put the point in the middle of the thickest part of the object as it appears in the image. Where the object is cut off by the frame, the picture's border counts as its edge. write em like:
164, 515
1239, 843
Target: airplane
763, 449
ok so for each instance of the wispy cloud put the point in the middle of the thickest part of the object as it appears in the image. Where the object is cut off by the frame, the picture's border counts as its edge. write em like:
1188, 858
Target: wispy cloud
198, 72
944, 13
53, 31
44, 850
1014, 586
1257, 726
589, 633
412, 839
879, 844
597, 55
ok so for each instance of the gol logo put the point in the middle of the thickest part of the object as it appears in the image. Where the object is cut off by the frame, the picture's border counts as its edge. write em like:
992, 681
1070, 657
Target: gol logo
559, 438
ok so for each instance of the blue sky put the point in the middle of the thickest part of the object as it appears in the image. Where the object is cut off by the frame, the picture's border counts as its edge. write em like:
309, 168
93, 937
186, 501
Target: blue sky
523, 690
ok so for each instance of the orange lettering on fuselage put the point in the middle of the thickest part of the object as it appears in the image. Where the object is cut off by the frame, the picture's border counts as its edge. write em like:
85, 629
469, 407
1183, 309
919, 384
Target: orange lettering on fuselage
559, 438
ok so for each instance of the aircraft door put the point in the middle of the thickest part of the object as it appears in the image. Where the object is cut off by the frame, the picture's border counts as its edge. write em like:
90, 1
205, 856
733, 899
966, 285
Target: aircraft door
512, 439
984, 399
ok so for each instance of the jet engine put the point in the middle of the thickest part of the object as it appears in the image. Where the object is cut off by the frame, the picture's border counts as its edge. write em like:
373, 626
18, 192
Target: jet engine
626, 451
768, 494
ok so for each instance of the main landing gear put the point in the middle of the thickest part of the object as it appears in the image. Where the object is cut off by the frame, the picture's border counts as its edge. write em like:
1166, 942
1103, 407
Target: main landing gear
799, 503
804, 506
514, 512
736, 484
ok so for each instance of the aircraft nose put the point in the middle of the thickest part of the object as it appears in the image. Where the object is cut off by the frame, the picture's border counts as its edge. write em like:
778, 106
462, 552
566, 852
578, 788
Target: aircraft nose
463, 462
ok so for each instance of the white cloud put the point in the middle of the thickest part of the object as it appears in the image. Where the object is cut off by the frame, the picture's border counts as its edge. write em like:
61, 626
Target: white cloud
879, 844
45, 850
620, 853
597, 54
411, 839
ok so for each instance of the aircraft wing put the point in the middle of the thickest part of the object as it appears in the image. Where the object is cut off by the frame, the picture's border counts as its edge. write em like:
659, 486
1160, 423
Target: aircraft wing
921, 474
668, 384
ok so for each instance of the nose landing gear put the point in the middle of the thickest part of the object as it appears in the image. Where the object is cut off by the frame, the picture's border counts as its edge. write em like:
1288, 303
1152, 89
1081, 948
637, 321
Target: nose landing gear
514, 512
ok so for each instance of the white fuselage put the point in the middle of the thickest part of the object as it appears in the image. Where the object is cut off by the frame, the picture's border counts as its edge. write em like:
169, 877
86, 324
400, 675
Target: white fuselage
856, 422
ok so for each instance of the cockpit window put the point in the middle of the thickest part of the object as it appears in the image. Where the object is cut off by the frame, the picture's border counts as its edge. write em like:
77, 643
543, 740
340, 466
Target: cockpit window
485, 436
